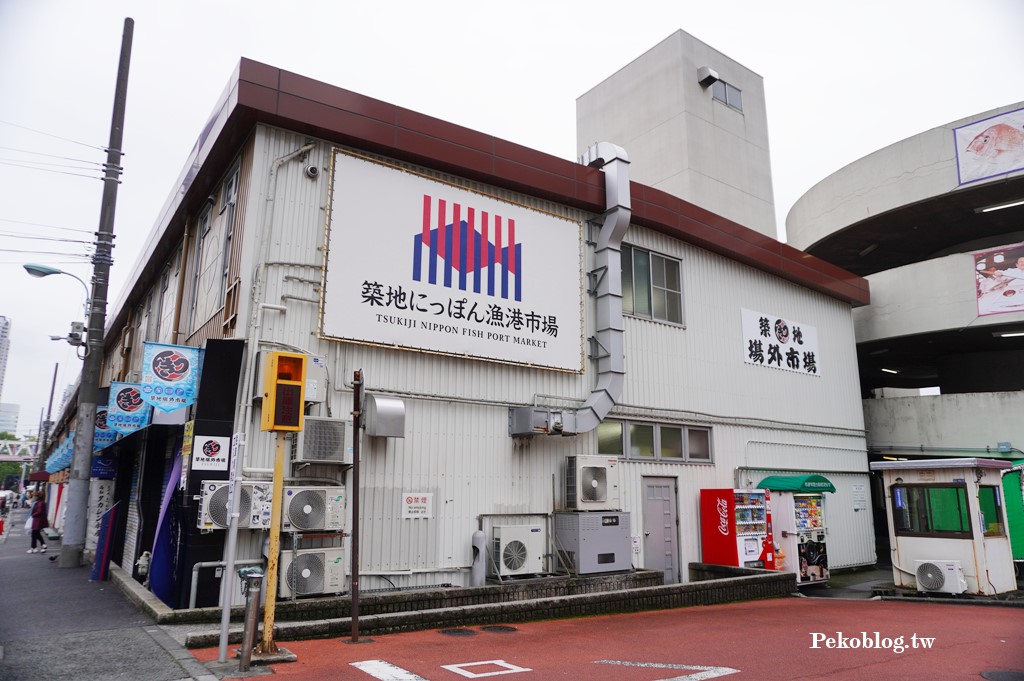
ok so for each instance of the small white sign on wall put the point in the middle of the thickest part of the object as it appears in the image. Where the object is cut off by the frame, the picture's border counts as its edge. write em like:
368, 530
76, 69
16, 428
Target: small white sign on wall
210, 453
417, 505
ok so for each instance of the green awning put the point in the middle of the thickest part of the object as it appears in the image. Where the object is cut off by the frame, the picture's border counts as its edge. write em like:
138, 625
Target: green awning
797, 483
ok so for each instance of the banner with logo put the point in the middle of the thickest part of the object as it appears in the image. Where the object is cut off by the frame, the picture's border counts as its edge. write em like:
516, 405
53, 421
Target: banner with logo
127, 412
104, 435
421, 264
170, 375
771, 341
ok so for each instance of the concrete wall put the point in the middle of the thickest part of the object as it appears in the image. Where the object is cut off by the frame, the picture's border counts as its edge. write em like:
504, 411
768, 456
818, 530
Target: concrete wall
969, 420
678, 138
903, 173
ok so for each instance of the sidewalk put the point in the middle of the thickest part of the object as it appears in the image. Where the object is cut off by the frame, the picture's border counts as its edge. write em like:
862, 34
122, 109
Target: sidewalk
57, 624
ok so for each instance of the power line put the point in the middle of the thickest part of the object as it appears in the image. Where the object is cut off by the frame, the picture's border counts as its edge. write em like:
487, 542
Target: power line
22, 235
66, 139
70, 255
47, 170
65, 158
34, 164
39, 224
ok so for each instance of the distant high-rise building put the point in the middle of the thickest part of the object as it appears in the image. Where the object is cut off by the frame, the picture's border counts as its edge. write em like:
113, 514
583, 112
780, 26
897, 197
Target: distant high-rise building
5, 345
9, 418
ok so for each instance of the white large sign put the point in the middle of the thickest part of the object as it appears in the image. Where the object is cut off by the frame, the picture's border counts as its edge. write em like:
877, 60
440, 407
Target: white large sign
771, 341
420, 264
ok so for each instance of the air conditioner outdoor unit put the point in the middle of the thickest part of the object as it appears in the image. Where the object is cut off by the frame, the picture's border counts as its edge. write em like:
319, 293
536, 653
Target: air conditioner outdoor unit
946, 576
517, 550
313, 508
592, 483
308, 572
323, 440
254, 505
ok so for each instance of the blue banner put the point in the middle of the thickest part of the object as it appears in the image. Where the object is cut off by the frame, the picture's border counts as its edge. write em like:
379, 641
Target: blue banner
103, 436
103, 467
170, 375
127, 412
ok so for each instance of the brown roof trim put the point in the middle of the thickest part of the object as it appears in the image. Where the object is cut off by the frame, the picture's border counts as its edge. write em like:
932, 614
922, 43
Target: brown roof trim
259, 93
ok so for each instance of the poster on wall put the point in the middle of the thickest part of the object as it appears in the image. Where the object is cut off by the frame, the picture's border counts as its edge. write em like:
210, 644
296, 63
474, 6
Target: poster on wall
170, 375
210, 453
419, 264
778, 343
999, 280
990, 147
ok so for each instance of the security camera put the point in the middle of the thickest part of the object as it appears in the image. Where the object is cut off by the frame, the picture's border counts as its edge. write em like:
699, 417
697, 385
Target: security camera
312, 172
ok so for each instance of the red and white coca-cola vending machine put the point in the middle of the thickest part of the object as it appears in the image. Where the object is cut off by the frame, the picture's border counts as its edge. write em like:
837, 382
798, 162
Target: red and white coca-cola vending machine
736, 528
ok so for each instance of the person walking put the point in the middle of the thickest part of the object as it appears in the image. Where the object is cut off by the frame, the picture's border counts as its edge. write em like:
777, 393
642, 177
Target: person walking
39, 523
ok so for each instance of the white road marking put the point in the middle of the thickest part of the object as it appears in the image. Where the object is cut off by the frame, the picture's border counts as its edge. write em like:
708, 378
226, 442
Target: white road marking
385, 671
702, 674
461, 669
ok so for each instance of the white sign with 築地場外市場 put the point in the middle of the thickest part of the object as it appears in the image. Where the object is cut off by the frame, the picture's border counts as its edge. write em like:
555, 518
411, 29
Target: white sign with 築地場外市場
772, 341
421, 264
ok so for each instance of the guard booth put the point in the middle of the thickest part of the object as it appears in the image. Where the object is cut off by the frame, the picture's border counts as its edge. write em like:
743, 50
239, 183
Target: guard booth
947, 525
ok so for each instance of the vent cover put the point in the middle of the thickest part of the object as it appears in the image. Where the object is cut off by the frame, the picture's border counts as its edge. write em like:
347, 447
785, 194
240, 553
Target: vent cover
592, 483
323, 440
312, 571
313, 508
253, 505
946, 576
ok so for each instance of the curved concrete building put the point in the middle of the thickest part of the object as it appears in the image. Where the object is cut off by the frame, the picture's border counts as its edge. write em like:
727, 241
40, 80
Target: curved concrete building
936, 224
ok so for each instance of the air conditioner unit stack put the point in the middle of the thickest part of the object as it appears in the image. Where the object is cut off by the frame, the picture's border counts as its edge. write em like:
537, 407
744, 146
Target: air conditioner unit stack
592, 483
517, 550
323, 440
945, 576
308, 572
313, 508
254, 505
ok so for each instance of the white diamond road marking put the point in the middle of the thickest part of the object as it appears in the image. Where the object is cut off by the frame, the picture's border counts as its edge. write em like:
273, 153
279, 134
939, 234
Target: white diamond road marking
461, 669
702, 674
385, 671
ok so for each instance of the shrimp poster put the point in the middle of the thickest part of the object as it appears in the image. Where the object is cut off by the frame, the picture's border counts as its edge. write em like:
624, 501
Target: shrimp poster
990, 147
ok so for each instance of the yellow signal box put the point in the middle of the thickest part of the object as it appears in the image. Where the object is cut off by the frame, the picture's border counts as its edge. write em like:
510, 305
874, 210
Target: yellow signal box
284, 389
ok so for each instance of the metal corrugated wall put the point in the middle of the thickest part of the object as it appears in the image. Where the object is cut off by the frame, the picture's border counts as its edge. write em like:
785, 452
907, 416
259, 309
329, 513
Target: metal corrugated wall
457, 445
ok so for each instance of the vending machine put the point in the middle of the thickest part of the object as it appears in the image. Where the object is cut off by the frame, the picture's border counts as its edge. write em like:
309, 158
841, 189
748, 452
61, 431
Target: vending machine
801, 532
736, 527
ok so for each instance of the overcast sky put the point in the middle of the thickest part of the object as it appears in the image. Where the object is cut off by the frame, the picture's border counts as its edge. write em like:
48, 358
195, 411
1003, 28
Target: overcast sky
843, 79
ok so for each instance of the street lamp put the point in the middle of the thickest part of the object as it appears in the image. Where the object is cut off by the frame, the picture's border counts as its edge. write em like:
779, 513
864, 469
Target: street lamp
41, 271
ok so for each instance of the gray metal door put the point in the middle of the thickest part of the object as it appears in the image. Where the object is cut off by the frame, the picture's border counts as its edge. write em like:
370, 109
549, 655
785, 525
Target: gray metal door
660, 527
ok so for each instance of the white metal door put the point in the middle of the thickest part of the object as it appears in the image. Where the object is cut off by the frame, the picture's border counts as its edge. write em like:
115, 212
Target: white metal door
661, 525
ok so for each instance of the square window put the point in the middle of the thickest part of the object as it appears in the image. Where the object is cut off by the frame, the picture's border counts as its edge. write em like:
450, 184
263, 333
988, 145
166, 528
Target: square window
671, 442
641, 441
609, 438
651, 286
698, 442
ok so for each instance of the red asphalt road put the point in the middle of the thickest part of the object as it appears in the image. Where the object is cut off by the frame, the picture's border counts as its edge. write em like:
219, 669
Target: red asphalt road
763, 640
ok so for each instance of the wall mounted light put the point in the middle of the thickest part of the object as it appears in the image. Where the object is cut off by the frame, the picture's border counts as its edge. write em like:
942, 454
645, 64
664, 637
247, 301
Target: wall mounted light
999, 206
890, 371
1007, 334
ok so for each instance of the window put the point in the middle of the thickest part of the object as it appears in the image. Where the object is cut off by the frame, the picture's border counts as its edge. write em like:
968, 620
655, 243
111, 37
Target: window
938, 510
641, 441
991, 511
727, 94
230, 196
651, 285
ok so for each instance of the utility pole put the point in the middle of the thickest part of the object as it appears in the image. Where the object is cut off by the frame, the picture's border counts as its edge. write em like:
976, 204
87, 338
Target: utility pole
73, 541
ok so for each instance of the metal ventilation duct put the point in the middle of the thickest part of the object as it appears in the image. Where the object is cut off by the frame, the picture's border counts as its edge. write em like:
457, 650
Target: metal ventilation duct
605, 283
